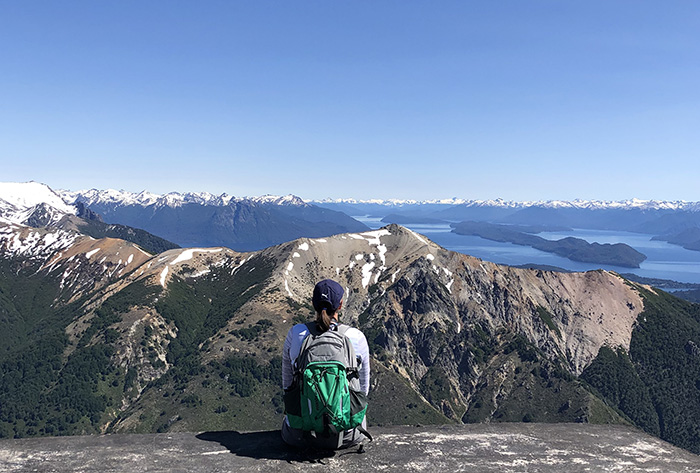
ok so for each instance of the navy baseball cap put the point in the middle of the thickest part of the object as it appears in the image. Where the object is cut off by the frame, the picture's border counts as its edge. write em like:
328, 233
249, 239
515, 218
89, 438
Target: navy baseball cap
327, 293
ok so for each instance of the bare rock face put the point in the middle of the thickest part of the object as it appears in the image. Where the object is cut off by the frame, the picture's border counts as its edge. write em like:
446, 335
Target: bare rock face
395, 271
421, 303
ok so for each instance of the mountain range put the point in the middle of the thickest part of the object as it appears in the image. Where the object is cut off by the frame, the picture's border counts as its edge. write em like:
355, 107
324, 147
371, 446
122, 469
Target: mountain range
246, 224
501, 203
676, 222
99, 335
202, 219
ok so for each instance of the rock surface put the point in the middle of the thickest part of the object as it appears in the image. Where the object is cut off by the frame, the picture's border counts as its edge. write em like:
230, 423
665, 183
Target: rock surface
473, 448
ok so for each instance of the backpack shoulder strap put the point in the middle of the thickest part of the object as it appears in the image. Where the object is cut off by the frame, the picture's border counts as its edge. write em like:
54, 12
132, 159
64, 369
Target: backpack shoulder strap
312, 328
313, 333
349, 348
342, 328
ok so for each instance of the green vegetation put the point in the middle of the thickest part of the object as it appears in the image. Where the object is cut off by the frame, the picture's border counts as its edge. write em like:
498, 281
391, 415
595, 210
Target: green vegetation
613, 375
214, 407
26, 312
244, 373
203, 308
663, 349
136, 293
253, 332
657, 385
546, 317
526, 350
40, 396
481, 343
41, 391
520, 384
435, 386
394, 401
239, 392
49, 386
199, 309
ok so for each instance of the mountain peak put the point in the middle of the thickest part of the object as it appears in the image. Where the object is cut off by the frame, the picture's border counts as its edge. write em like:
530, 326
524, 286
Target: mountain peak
288, 199
20, 201
25, 195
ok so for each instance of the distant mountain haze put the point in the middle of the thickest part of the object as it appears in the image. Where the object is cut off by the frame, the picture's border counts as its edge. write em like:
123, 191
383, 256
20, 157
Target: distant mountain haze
205, 220
674, 222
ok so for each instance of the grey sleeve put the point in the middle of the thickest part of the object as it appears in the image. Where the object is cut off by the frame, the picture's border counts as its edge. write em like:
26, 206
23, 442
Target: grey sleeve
287, 372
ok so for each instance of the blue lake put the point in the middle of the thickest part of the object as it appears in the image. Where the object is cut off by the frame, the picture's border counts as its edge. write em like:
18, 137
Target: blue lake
664, 260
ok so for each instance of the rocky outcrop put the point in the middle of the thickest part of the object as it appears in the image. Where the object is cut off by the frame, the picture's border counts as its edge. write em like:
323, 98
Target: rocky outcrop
485, 448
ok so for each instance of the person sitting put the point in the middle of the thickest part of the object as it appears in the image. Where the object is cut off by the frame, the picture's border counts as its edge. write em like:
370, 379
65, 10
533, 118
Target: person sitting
327, 300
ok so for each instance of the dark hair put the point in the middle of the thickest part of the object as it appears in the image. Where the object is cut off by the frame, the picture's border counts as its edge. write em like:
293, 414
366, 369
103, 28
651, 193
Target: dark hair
323, 317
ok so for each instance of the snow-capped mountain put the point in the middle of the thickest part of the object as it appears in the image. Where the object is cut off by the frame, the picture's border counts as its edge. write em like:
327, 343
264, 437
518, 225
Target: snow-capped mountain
28, 194
513, 204
652, 217
252, 223
35, 222
188, 219
112, 197
204, 219
20, 201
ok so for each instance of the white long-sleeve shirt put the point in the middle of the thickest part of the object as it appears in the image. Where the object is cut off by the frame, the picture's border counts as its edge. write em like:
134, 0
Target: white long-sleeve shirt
292, 347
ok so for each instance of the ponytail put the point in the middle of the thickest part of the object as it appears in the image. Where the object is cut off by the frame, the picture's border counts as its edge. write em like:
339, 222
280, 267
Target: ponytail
323, 318
323, 321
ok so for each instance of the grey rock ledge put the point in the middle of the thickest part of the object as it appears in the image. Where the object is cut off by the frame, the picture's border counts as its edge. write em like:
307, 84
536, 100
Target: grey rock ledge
470, 448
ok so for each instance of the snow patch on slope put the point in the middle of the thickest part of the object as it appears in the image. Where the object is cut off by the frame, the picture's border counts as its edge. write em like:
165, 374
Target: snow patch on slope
189, 254
163, 275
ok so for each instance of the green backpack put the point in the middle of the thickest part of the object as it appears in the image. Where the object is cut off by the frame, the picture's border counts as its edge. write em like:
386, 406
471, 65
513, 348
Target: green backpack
325, 397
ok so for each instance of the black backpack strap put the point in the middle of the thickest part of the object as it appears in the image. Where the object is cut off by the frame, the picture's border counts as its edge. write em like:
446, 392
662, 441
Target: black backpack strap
364, 432
313, 328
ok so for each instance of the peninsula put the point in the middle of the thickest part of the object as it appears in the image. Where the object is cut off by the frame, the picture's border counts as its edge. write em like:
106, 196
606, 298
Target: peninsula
575, 249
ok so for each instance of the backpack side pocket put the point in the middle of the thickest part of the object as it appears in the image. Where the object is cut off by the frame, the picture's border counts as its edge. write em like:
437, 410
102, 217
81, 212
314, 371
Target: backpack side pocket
292, 405
358, 407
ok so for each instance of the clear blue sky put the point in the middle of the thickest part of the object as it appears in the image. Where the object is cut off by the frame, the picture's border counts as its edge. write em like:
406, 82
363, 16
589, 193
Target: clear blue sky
367, 99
